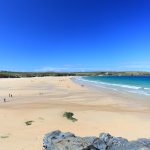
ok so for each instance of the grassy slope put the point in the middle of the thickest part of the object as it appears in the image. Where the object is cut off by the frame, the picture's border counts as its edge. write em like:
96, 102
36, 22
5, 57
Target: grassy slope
7, 74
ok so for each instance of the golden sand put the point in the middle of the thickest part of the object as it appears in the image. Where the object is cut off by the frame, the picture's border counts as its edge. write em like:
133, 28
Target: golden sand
44, 100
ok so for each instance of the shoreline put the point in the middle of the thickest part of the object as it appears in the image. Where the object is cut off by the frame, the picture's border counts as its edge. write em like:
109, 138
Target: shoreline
44, 100
109, 90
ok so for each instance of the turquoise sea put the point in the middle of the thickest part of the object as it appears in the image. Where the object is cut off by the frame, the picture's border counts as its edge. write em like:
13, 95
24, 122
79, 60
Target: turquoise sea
132, 84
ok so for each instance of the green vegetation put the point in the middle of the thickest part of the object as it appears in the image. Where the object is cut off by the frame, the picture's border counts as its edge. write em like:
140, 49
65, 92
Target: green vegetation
28, 123
8, 74
69, 115
5, 136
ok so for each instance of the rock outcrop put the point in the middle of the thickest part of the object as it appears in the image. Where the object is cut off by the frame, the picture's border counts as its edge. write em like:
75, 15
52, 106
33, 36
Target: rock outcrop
57, 140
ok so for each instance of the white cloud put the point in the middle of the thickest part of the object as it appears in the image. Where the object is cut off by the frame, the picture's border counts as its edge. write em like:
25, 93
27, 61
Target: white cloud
65, 69
139, 66
52, 69
131, 66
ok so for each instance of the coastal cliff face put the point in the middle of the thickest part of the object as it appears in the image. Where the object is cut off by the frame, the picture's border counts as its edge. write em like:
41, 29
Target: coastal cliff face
58, 140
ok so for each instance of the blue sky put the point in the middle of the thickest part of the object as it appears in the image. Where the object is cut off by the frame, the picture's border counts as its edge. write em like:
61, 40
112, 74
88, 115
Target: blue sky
74, 35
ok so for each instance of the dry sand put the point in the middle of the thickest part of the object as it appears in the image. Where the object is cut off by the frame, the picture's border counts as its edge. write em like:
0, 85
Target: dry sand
44, 100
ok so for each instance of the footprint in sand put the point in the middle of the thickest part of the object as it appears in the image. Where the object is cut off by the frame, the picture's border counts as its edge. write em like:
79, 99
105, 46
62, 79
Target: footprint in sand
41, 119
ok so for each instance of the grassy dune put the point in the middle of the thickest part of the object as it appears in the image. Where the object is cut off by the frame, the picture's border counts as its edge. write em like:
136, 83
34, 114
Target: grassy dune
8, 74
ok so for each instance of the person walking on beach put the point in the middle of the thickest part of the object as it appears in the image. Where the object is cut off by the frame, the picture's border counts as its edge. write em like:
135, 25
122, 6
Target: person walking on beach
4, 99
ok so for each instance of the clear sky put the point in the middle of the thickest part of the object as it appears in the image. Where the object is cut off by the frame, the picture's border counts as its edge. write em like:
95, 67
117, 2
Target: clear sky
74, 35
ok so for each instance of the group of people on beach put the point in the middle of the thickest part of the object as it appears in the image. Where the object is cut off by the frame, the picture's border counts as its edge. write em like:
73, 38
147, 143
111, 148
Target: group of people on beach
10, 95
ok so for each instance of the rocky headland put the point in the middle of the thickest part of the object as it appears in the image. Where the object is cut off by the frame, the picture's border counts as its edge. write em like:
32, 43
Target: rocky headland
58, 140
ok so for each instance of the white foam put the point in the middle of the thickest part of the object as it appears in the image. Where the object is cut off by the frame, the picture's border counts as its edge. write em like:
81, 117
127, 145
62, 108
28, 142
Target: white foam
133, 89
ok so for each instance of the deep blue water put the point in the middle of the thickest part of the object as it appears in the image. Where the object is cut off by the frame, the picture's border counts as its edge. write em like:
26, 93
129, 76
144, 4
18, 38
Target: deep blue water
133, 84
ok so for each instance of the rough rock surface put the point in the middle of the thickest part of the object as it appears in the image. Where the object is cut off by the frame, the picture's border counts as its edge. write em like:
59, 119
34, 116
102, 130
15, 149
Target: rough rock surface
57, 140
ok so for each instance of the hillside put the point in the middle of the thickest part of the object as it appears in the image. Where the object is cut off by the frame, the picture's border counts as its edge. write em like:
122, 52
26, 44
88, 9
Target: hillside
8, 74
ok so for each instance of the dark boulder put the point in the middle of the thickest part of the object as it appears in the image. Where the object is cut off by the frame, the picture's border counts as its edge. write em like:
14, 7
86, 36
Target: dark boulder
57, 140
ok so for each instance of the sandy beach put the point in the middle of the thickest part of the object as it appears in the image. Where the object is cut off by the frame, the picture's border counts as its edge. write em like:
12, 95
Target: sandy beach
44, 100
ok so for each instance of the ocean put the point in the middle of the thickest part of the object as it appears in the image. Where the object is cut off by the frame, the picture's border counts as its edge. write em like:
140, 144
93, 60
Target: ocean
132, 84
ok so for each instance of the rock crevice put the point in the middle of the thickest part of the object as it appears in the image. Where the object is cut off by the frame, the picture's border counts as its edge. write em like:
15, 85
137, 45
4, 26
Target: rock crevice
58, 140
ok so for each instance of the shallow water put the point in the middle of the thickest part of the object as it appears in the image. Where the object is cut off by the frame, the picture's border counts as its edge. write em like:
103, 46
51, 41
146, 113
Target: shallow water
132, 84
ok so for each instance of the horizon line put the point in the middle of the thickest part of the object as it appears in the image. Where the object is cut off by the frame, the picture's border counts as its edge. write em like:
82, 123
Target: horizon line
68, 71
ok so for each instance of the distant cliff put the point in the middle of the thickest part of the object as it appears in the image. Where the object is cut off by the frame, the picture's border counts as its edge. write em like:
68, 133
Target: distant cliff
8, 74
57, 140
